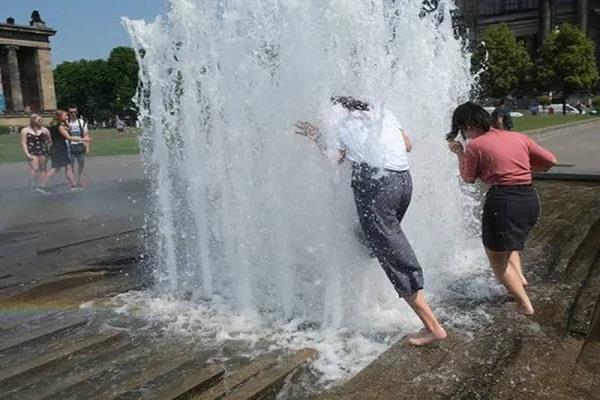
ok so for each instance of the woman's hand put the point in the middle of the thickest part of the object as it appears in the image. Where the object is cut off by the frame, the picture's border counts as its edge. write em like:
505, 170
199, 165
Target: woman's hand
307, 129
456, 147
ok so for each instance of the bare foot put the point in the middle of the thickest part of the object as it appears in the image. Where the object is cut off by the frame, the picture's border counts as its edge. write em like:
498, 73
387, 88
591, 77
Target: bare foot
525, 309
524, 281
425, 336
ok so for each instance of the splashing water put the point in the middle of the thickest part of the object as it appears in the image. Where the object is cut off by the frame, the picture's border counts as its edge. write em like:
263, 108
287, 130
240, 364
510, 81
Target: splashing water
251, 219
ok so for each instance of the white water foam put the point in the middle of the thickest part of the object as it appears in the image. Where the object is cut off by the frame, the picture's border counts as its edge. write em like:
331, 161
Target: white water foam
255, 230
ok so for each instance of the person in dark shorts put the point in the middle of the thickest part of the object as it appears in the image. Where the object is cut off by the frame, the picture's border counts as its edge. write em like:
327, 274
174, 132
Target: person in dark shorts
34, 142
374, 141
505, 161
59, 153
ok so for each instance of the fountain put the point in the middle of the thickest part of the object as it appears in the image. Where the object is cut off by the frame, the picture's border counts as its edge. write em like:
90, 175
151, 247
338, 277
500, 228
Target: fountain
252, 221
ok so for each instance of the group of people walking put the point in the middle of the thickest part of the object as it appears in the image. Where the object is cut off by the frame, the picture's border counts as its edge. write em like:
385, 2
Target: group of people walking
373, 140
65, 145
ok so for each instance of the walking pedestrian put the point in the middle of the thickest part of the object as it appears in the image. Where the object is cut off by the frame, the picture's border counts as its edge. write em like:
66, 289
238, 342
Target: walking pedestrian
373, 140
78, 149
504, 160
59, 152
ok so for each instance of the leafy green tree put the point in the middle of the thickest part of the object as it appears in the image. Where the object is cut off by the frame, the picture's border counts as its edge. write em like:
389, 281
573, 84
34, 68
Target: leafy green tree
502, 63
86, 85
567, 61
123, 68
99, 88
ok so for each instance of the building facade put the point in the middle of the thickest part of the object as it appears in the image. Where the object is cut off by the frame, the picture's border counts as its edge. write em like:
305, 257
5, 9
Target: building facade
25, 70
530, 20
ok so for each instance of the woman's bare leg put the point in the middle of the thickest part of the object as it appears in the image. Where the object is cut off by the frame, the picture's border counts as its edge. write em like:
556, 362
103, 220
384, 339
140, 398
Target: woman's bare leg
510, 279
433, 329
515, 262
69, 175
49, 174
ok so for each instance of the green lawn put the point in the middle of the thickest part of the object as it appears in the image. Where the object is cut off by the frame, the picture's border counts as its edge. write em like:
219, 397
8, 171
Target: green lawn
106, 142
529, 122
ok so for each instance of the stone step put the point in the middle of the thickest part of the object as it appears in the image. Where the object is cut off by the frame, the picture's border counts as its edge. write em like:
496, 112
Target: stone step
79, 367
9, 341
271, 379
189, 382
79, 373
155, 368
35, 365
126, 372
237, 378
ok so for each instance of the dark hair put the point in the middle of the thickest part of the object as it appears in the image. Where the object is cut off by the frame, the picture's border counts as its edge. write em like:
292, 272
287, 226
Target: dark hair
469, 115
350, 103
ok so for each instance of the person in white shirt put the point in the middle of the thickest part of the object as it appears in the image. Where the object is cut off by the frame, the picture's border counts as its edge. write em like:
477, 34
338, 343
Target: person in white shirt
79, 149
373, 140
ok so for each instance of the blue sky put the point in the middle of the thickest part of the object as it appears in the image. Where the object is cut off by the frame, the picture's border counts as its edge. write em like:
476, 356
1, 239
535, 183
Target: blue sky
86, 28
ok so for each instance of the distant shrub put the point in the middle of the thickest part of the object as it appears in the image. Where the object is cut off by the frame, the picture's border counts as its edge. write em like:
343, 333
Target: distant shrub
596, 102
4, 130
544, 101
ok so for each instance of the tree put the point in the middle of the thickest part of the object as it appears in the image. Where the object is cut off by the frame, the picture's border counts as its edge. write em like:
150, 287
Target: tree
123, 68
86, 85
502, 63
567, 62
99, 88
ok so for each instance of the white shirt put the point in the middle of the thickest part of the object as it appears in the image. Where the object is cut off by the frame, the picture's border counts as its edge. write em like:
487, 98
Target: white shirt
373, 137
75, 127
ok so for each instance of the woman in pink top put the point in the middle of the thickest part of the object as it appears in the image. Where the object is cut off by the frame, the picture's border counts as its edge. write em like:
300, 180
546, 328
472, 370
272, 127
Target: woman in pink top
505, 161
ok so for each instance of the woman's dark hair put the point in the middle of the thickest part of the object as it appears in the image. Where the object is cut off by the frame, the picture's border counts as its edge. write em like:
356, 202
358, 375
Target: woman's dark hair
470, 115
350, 103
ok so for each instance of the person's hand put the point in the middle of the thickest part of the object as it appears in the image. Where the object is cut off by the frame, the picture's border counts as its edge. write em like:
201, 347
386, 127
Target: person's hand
456, 147
87, 139
307, 129
30, 157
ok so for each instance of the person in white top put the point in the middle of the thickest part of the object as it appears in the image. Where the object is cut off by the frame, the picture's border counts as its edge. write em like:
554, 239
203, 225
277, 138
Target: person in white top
78, 149
373, 140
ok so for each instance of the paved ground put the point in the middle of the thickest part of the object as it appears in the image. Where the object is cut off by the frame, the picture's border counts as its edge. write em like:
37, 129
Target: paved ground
577, 146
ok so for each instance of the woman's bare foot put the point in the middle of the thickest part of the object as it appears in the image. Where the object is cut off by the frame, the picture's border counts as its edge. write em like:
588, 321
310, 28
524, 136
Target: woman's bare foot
525, 309
524, 281
424, 336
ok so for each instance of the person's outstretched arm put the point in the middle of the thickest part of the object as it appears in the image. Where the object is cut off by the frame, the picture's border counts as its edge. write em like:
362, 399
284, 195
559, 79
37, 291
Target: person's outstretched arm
64, 132
314, 133
539, 158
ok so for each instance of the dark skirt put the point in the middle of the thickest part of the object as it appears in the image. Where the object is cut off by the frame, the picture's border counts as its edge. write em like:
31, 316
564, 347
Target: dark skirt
509, 214
382, 198
59, 155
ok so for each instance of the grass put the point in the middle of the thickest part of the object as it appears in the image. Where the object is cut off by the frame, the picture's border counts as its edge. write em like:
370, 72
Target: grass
106, 142
529, 122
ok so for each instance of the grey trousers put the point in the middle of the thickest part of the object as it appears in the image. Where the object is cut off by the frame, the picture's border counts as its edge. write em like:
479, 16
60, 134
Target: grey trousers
382, 198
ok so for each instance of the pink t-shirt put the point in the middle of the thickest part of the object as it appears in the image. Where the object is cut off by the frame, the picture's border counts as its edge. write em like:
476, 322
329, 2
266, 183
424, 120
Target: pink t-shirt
503, 158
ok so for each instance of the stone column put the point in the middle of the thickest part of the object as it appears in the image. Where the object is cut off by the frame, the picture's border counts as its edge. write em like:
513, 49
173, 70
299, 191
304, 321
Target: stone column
2, 99
45, 80
545, 19
583, 7
16, 92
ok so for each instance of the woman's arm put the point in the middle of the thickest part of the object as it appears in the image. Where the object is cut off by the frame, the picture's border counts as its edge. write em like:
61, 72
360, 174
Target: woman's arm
64, 132
314, 133
467, 162
407, 141
24, 144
